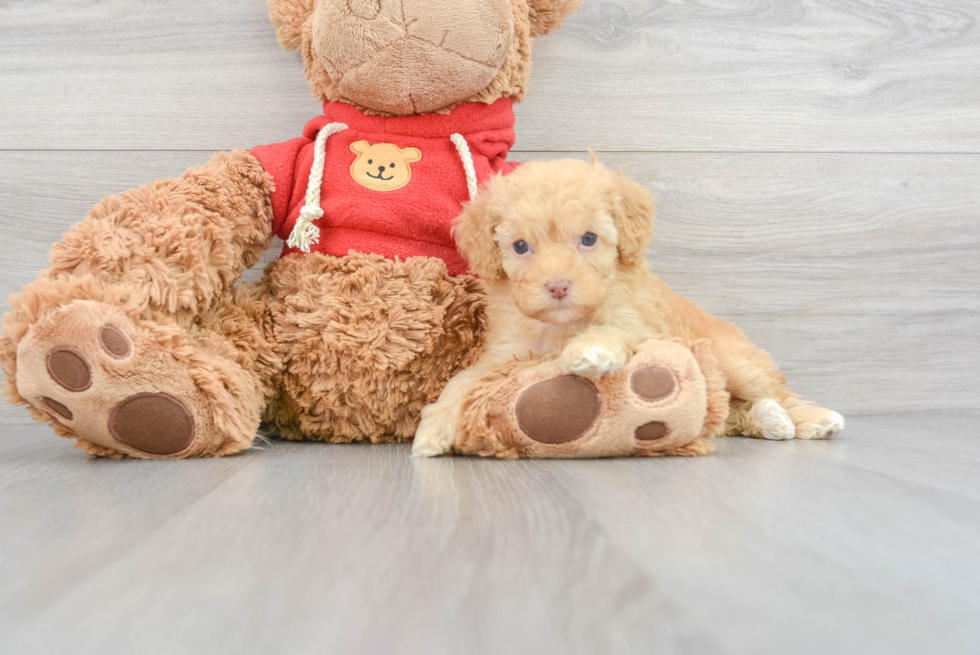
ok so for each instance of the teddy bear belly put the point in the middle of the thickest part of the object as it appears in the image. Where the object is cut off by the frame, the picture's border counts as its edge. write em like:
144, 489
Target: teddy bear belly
340, 241
367, 342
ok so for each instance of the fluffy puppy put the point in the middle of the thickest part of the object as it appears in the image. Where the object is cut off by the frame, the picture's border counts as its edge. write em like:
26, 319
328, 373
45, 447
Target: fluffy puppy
561, 247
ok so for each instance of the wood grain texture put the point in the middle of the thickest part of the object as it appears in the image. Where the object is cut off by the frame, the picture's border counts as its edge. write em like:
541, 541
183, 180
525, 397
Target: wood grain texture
859, 273
753, 75
863, 544
757, 75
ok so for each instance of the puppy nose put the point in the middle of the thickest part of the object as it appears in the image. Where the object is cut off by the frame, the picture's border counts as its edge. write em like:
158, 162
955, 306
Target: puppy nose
381, 168
558, 288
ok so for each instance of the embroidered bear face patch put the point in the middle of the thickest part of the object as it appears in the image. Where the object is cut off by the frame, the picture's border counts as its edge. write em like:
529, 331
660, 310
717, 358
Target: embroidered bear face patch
383, 166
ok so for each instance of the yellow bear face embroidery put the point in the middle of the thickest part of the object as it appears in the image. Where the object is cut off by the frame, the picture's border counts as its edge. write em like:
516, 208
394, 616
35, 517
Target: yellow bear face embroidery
383, 166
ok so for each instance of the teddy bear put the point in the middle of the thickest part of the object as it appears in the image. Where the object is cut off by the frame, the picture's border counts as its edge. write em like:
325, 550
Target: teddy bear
140, 341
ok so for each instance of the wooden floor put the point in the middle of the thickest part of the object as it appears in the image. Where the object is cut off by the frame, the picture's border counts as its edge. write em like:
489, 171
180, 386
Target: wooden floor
869, 543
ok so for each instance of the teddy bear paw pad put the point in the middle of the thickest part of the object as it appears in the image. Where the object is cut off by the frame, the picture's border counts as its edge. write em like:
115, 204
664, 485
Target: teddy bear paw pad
155, 423
653, 382
558, 410
652, 431
69, 369
90, 368
661, 403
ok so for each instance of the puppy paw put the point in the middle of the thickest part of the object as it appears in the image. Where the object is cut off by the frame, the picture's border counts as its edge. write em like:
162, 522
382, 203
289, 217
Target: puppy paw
819, 423
770, 421
436, 433
592, 360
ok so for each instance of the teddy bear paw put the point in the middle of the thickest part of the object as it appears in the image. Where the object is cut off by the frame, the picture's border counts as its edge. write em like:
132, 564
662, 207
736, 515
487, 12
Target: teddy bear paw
653, 405
88, 367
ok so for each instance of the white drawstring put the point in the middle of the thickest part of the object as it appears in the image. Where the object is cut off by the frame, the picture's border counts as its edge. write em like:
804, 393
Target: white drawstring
465, 156
305, 233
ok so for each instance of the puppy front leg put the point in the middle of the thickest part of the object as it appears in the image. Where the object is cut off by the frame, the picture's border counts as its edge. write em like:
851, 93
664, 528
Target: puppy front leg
437, 431
598, 350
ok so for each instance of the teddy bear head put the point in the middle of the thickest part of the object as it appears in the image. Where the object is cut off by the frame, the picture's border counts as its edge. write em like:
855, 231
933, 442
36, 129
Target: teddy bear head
401, 57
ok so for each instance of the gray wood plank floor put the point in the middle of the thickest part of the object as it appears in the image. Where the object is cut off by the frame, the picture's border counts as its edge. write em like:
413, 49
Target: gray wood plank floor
864, 544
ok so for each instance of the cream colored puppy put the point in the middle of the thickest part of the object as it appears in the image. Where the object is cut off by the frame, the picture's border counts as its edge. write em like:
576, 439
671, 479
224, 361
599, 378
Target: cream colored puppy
561, 246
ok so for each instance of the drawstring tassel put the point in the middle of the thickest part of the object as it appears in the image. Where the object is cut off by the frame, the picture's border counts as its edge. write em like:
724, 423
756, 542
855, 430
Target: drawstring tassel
305, 234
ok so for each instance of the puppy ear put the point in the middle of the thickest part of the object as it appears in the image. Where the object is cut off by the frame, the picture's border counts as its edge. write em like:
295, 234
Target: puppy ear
474, 234
359, 147
633, 215
288, 17
546, 15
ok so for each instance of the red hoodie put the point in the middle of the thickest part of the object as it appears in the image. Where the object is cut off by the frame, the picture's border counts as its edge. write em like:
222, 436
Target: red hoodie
391, 186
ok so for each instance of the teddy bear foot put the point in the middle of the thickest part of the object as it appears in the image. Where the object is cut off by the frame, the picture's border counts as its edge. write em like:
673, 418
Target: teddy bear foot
660, 403
124, 389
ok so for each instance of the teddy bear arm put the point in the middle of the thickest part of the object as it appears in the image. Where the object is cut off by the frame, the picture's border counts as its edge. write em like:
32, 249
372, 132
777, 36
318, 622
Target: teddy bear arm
175, 244
140, 294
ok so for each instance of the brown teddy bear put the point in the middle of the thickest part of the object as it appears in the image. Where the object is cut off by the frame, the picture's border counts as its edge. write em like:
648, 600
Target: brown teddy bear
137, 340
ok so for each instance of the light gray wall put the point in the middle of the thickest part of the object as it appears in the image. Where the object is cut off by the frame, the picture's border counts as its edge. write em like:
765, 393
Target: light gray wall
817, 163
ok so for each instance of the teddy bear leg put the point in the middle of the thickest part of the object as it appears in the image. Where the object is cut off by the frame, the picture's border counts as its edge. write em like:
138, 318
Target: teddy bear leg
668, 400
366, 342
126, 386
132, 343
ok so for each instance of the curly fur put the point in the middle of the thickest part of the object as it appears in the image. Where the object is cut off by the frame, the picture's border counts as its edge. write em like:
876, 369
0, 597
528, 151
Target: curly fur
612, 301
328, 348
546, 15
175, 244
367, 342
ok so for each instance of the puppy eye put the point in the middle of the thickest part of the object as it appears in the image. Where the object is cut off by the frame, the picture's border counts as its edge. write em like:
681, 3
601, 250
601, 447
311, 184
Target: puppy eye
391, 166
589, 239
521, 247
370, 161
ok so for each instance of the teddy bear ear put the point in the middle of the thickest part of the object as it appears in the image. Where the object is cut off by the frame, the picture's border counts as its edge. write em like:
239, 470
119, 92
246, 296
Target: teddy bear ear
411, 155
359, 147
546, 15
288, 17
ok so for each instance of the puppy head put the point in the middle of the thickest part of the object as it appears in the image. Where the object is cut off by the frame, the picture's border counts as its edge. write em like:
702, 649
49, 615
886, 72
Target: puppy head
558, 233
